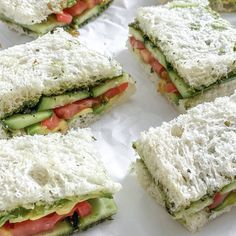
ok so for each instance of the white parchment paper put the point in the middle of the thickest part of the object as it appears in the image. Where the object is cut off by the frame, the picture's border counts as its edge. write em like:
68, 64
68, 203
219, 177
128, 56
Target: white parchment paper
138, 214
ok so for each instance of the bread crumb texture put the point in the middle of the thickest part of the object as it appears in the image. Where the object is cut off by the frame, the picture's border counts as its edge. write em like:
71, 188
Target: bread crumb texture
49, 168
30, 12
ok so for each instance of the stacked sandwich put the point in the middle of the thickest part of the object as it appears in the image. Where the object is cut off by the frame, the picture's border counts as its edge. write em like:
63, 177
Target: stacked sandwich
188, 164
54, 83
190, 47
53, 185
39, 17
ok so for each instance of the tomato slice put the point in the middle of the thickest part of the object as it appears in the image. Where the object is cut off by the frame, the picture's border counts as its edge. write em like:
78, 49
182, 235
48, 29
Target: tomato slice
136, 43
157, 67
84, 209
68, 111
32, 227
52, 122
115, 91
218, 199
147, 56
170, 88
77, 9
64, 17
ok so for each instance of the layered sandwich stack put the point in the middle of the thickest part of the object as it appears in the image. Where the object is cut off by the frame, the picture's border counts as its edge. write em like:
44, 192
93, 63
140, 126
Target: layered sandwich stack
54, 83
190, 47
53, 185
188, 164
39, 17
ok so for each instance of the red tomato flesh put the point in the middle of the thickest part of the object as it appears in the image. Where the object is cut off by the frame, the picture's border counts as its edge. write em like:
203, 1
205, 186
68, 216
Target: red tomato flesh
52, 122
136, 43
157, 67
84, 209
147, 56
32, 227
68, 111
218, 199
170, 88
64, 17
115, 91
77, 9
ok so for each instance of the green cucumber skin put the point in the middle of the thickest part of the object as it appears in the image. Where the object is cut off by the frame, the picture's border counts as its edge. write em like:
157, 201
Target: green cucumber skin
103, 208
183, 89
101, 89
61, 229
48, 103
20, 121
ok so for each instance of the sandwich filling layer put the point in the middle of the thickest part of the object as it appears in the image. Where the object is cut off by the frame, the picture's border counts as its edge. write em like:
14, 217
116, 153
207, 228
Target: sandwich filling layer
73, 14
54, 113
62, 218
170, 84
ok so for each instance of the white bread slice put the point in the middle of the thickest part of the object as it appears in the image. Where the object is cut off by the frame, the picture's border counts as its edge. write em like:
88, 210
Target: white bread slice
29, 12
192, 222
201, 52
193, 155
49, 65
218, 90
49, 168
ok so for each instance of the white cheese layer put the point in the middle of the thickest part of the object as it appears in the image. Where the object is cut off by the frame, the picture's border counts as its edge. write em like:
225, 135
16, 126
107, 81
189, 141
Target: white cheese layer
49, 168
196, 41
53, 63
30, 12
194, 154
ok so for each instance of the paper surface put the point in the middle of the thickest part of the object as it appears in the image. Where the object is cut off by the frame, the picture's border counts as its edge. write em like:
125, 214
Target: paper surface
138, 214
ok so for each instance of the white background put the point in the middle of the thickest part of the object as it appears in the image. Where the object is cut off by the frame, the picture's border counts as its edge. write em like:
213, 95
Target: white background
138, 214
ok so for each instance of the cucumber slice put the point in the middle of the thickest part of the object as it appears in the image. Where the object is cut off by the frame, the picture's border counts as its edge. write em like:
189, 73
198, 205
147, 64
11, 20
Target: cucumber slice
194, 207
48, 103
102, 209
136, 33
101, 89
36, 129
63, 228
228, 188
182, 87
40, 129
45, 26
21, 121
156, 53
149, 45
